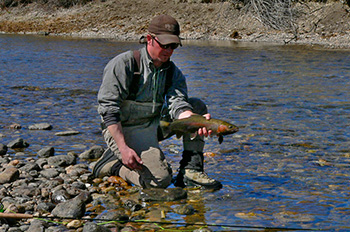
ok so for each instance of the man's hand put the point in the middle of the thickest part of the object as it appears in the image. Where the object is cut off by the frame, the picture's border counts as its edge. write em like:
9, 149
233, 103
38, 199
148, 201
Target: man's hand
201, 131
130, 158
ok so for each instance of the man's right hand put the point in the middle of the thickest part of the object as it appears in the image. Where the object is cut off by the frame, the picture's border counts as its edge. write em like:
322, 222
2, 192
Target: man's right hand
130, 158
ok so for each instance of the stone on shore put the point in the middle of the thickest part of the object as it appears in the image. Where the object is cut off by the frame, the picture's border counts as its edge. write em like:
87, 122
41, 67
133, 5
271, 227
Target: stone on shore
62, 160
74, 208
18, 143
9, 175
94, 152
46, 152
40, 126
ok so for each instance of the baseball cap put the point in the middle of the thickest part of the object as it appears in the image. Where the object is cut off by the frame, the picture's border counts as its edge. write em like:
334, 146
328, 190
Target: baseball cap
166, 28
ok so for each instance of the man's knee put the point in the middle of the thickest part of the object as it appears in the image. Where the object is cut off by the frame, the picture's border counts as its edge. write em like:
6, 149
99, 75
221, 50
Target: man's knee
199, 107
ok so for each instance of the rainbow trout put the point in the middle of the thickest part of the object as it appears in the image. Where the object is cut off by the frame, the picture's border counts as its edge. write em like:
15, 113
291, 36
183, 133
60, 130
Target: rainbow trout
192, 124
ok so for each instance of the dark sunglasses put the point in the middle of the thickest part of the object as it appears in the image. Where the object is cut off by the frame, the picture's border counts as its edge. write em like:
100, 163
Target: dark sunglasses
166, 46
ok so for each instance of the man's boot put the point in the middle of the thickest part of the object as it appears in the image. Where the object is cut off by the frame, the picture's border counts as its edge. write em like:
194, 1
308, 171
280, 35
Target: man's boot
191, 172
107, 165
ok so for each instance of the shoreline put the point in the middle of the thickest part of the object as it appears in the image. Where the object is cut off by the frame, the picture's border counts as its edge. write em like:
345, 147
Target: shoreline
325, 25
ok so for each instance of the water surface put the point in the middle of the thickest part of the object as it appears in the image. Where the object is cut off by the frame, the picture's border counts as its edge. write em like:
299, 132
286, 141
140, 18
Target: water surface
287, 167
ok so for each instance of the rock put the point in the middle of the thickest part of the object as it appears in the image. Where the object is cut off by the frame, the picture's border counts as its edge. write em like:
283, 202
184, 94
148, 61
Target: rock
18, 143
37, 225
74, 208
46, 152
94, 152
184, 209
49, 173
9, 175
156, 194
15, 126
75, 224
67, 133
62, 160
116, 215
45, 207
93, 227
40, 126
3, 149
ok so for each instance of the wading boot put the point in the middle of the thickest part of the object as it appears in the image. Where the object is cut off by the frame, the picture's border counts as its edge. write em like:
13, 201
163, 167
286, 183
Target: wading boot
107, 165
191, 173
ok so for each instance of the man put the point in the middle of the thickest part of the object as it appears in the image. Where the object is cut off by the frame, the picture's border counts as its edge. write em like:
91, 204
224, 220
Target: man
137, 86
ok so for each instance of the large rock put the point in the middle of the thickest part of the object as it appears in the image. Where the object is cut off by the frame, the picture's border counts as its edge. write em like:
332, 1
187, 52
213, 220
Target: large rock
62, 160
74, 208
9, 175
46, 152
94, 152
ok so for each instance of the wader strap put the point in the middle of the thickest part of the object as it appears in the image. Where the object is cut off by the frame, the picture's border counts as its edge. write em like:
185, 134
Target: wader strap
134, 85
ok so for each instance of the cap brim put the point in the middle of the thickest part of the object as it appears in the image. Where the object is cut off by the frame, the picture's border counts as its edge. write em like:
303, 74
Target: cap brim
168, 39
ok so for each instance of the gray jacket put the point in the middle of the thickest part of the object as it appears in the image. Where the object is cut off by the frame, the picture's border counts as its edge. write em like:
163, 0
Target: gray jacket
116, 82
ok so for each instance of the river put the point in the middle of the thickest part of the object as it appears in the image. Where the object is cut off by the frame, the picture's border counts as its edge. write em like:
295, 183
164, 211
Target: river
288, 166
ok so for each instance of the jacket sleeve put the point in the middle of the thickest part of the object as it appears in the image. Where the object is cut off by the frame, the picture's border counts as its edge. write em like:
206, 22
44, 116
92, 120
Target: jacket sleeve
114, 88
176, 97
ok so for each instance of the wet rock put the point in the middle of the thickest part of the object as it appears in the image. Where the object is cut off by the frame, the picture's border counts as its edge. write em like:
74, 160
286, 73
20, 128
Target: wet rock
132, 205
74, 208
60, 195
9, 175
184, 209
93, 227
156, 194
3, 149
118, 215
40, 126
18, 143
94, 152
62, 160
46, 152
15, 126
67, 133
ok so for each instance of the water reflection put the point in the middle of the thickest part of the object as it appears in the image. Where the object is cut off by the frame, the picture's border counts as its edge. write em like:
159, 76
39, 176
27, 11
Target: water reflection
288, 165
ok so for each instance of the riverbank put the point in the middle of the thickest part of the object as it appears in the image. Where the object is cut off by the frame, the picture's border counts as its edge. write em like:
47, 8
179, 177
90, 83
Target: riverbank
324, 24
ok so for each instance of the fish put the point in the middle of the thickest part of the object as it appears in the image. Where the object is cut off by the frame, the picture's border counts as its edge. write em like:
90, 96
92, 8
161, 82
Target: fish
191, 125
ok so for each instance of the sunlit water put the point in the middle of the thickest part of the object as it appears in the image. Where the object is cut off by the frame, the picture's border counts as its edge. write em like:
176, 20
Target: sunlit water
288, 166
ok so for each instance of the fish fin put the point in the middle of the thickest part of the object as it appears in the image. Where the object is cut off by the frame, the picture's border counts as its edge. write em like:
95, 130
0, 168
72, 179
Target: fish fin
221, 138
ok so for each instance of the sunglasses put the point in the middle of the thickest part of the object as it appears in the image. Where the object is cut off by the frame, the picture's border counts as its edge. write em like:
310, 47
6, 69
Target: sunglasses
166, 46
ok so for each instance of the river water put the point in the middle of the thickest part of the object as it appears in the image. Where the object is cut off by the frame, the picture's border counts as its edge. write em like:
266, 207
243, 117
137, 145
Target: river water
288, 166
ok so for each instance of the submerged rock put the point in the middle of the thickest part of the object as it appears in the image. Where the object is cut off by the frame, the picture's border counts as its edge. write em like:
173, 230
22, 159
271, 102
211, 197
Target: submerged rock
156, 194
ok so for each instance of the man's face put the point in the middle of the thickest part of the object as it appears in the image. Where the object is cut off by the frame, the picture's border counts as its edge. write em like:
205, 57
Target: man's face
160, 53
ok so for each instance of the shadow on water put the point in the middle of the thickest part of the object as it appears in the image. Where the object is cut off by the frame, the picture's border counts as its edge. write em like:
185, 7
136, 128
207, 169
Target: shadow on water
288, 165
